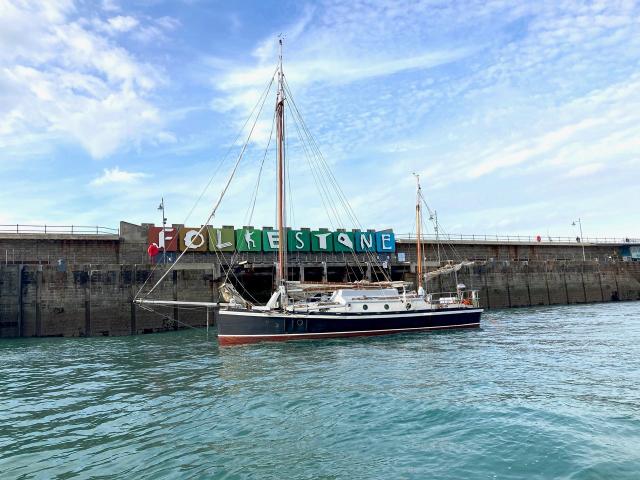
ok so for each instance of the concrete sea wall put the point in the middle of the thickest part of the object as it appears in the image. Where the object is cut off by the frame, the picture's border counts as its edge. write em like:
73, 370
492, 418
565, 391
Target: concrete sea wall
521, 284
57, 284
94, 300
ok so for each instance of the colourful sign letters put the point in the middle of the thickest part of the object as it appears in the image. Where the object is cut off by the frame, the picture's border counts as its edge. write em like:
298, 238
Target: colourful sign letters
250, 239
165, 239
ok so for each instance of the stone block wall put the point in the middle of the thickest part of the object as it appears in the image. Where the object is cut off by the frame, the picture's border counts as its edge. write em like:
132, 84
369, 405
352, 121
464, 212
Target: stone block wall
40, 249
9, 304
97, 299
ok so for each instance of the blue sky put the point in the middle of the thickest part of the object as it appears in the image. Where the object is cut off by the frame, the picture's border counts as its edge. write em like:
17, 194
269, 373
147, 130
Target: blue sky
520, 116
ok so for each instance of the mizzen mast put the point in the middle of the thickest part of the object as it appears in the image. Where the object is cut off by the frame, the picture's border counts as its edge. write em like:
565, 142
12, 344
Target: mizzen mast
282, 239
419, 236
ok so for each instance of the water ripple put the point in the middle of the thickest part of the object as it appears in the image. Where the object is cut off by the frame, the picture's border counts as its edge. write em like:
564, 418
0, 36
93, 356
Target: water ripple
547, 392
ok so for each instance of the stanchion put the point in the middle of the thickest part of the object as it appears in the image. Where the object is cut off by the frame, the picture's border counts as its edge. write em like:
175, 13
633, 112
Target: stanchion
207, 323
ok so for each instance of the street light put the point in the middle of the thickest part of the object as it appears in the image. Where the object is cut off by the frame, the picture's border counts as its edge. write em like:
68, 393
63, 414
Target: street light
433, 217
164, 224
584, 258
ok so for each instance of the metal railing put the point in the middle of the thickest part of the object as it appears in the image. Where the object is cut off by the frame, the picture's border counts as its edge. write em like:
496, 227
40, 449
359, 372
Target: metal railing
466, 297
59, 229
514, 238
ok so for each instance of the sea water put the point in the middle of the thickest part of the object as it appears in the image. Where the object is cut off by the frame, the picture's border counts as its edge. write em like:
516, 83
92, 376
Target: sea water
548, 392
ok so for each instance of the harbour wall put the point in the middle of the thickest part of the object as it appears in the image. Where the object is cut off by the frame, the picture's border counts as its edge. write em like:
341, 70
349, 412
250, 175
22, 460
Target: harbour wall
84, 285
94, 300
129, 247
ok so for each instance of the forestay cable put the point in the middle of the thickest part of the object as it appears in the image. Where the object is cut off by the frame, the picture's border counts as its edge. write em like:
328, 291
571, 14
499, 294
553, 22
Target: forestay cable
222, 194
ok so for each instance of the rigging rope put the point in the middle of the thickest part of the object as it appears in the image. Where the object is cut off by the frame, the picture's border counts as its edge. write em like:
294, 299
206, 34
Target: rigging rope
324, 167
222, 194
250, 211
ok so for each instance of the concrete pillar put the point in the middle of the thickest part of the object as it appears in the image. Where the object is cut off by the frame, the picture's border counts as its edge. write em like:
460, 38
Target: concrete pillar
175, 293
528, 286
217, 271
600, 283
324, 271
486, 286
301, 273
546, 281
20, 304
368, 271
87, 306
133, 291
39, 274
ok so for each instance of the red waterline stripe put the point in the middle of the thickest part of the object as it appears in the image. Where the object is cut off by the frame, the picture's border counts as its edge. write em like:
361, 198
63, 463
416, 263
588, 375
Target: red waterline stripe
244, 339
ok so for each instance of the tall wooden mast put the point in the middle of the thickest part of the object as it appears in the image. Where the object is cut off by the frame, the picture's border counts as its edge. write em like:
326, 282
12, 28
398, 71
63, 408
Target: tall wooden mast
282, 240
419, 235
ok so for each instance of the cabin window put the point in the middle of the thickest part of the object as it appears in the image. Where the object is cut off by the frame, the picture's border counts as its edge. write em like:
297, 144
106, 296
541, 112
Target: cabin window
365, 307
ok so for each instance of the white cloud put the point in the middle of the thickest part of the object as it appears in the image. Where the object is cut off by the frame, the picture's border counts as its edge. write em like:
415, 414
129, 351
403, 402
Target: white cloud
110, 6
585, 170
546, 91
68, 80
117, 176
156, 30
333, 46
515, 113
122, 23
168, 23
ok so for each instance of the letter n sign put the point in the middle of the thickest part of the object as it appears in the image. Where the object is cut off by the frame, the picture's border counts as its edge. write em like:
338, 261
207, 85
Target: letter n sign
365, 242
385, 242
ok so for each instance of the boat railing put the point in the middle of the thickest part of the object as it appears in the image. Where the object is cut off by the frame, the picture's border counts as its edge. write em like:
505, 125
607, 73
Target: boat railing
465, 297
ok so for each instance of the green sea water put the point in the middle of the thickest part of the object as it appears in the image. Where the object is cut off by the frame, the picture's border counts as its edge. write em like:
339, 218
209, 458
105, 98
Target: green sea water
549, 392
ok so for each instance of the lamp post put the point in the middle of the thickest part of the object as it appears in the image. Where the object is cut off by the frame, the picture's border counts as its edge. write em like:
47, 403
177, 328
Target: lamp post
434, 218
584, 258
164, 225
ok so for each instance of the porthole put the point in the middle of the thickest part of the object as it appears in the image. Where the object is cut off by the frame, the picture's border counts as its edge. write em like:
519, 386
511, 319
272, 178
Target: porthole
408, 306
300, 322
365, 307
386, 306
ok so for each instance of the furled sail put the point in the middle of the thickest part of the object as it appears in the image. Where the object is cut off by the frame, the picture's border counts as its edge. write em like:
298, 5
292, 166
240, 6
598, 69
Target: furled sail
231, 296
303, 289
448, 269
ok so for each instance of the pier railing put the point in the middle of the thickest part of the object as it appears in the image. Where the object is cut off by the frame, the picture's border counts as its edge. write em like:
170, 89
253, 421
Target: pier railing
59, 229
515, 238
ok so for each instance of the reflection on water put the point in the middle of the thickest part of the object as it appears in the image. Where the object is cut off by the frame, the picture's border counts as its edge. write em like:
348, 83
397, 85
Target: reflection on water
542, 392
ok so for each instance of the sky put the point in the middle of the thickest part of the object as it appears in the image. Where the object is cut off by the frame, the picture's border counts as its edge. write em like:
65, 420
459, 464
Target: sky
520, 117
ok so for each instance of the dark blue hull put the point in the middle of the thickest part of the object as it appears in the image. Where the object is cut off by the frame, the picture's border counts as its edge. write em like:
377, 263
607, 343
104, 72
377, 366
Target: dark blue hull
241, 326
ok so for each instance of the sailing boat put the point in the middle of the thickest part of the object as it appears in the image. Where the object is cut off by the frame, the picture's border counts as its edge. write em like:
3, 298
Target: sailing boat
299, 310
